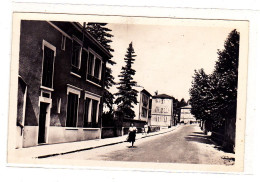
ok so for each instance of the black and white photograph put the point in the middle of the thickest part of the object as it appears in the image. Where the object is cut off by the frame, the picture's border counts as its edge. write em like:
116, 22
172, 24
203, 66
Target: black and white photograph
124, 91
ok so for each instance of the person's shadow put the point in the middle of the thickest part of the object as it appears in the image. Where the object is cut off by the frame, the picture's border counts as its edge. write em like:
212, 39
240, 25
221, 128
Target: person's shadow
132, 146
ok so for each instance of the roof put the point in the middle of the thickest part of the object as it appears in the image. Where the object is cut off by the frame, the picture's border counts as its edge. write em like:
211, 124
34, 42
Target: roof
163, 96
186, 107
146, 92
80, 28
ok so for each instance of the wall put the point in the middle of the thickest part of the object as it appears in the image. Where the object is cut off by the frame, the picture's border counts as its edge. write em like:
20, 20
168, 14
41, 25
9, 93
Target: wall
63, 134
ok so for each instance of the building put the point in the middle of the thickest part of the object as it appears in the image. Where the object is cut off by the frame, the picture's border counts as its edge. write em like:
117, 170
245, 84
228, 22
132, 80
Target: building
162, 110
186, 116
60, 83
142, 108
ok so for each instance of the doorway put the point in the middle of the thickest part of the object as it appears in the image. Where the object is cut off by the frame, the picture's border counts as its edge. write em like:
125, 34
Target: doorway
42, 122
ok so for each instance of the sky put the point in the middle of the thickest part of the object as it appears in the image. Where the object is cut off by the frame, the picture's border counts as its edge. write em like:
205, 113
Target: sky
167, 55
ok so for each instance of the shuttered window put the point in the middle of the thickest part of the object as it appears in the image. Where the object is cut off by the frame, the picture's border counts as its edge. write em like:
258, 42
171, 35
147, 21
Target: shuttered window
86, 113
48, 59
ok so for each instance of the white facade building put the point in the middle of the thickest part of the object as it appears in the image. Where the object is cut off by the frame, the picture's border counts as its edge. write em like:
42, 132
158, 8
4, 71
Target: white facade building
162, 110
142, 108
186, 115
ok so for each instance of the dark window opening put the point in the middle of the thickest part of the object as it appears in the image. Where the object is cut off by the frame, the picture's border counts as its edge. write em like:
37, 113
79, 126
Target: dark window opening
93, 73
44, 94
144, 112
94, 113
47, 67
72, 110
63, 42
97, 68
76, 57
86, 113
90, 63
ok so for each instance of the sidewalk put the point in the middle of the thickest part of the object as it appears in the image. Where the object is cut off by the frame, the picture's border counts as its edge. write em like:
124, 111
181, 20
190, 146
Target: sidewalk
48, 150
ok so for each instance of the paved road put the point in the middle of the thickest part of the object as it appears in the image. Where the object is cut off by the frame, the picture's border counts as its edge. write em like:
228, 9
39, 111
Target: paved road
186, 144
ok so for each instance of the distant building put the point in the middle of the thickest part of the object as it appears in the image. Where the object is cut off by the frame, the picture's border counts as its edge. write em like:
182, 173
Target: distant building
162, 110
143, 106
60, 83
186, 116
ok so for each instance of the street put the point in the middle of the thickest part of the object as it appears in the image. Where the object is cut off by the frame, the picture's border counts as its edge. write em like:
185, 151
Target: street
186, 144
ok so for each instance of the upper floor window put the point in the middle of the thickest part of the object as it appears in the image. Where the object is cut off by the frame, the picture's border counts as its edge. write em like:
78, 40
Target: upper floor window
145, 100
49, 53
94, 67
63, 42
76, 56
144, 112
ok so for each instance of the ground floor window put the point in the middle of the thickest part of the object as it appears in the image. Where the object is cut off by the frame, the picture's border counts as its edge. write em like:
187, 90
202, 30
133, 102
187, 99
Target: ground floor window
91, 113
72, 110
72, 106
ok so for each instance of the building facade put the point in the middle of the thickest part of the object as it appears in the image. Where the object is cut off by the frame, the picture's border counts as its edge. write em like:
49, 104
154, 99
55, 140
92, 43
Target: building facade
143, 106
60, 83
186, 116
162, 110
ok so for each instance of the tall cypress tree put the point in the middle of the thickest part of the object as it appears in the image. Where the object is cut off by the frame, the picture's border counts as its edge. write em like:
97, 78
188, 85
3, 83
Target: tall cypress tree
127, 95
102, 34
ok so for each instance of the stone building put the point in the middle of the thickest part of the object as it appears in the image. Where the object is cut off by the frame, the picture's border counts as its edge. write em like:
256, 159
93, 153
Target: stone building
60, 83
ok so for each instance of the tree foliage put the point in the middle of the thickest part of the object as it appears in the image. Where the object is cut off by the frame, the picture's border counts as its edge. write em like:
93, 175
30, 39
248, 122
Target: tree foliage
127, 95
214, 96
102, 34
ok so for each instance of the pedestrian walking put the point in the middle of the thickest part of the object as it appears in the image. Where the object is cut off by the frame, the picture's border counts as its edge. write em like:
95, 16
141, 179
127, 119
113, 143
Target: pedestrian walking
131, 134
146, 128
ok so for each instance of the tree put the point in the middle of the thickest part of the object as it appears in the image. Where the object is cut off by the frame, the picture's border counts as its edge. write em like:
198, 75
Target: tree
127, 95
199, 95
214, 96
226, 75
177, 108
103, 35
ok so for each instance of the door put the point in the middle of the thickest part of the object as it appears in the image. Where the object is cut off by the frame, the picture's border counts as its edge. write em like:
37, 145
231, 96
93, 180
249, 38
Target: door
42, 122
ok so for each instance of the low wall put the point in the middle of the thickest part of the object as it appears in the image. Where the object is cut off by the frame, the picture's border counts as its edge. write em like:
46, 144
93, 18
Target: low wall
30, 136
65, 134
109, 132
57, 134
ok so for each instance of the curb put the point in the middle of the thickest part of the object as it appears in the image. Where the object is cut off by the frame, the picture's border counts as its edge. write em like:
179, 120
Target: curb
90, 148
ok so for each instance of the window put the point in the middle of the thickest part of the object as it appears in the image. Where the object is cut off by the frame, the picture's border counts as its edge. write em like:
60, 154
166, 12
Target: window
58, 105
144, 112
91, 112
72, 105
97, 68
90, 63
72, 110
76, 54
86, 112
63, 42
145, 100
49, 52
94, 69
